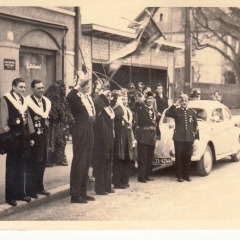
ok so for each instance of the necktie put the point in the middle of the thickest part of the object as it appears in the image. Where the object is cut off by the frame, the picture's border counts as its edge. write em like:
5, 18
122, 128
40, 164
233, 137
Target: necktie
20, 101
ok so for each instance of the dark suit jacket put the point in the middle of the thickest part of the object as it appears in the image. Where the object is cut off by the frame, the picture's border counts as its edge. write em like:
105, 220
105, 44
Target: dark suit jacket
186, 129
162, 103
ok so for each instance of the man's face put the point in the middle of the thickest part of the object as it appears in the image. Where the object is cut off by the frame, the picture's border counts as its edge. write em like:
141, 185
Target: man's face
216, 93
109, 96
149, 101
38, 90
20, 88
98, 88
184, 102
86, 88
159, 90
125, 101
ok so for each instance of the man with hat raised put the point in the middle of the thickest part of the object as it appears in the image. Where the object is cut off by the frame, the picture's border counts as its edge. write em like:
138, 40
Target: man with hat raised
185, 132
145, 136
83, 111
103, 141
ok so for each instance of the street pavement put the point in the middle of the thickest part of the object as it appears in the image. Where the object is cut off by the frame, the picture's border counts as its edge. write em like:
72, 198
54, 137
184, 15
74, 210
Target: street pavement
210, 202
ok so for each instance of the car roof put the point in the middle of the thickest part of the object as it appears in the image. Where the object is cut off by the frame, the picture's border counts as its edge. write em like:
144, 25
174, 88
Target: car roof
205, 104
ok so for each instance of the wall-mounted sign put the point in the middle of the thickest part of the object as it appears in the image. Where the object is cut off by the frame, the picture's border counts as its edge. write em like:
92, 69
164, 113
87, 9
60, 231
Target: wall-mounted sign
33, 66
9, 64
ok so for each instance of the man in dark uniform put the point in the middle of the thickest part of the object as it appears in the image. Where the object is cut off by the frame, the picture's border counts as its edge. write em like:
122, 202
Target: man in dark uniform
15, 118
161, 99
83, 111
185, 132
39, 107
103, 141
145, 136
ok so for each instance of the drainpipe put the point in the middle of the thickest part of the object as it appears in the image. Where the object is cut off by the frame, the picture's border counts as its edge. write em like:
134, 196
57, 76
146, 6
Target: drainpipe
63, 55
77, 59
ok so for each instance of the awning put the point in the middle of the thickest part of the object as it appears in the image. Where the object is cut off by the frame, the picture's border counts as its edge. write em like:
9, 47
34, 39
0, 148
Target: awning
95, 30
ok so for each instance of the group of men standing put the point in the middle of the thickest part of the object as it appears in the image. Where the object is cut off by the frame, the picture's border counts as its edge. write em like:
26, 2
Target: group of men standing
106, 133
104, 136
25, 120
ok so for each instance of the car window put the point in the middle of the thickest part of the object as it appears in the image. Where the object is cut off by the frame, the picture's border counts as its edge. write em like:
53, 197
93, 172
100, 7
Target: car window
217, 115
227, 114
201, 114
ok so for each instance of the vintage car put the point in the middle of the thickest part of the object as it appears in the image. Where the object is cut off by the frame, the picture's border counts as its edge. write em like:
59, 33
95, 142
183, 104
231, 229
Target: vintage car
219, 137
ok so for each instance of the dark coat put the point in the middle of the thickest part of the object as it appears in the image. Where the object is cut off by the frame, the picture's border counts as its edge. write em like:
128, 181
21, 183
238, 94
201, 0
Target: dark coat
162, 103
123, 135
103, 130
186, 129
40, 136
146, 127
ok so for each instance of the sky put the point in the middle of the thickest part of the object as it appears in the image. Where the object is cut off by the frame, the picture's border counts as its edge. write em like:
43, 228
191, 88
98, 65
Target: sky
109, 13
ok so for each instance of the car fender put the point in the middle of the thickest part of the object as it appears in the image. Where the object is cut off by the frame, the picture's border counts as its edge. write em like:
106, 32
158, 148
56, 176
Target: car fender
199, 146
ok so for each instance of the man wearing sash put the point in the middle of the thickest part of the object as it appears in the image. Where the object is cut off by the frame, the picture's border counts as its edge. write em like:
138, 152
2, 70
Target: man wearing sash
15, 119
39, 107
83, 111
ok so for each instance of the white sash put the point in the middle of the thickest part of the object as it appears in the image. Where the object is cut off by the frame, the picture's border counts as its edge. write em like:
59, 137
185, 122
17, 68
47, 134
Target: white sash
110, 112
37, 109
21, 108
88, 104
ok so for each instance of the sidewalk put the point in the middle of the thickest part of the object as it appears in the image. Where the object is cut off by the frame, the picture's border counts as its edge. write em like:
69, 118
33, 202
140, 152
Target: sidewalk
56, 180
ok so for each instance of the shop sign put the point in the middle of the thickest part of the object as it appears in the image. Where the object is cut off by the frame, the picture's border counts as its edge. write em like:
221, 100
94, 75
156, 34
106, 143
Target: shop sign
9, 64
33, 66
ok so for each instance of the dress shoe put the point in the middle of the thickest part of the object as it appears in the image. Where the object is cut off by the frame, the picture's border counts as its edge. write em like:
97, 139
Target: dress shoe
180, 179
25, 198
188, 179
111, 191
76, 199
33, 195
44, 192
49, 165
90, 180
101, 193
119, 187
142, 180
12, 202
88, 198
62, 164
150, 179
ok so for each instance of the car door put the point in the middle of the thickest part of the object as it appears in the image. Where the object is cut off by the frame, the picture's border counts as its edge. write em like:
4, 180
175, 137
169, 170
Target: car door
229, 128
220, 132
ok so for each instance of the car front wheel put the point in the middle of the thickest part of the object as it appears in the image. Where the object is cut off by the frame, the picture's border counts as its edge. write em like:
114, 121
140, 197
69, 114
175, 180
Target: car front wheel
206, 162
236, 156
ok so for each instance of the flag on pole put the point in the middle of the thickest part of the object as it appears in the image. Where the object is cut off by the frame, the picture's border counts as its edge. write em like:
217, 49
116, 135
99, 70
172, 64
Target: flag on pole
148, 33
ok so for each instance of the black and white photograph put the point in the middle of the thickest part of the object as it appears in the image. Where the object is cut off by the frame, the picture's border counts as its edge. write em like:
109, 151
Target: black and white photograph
120, 115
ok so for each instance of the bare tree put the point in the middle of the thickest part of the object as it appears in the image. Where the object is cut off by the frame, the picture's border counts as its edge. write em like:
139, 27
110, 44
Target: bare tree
218, 29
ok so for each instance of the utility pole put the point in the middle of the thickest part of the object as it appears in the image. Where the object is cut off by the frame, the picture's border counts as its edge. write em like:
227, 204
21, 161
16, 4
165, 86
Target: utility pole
187, 73
78, 32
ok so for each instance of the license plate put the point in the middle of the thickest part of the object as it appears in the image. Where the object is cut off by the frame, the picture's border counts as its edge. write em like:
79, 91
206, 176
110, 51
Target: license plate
157, 161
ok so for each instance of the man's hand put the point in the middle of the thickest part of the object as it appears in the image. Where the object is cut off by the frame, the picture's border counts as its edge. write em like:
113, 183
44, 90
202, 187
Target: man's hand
178, 102
32, 143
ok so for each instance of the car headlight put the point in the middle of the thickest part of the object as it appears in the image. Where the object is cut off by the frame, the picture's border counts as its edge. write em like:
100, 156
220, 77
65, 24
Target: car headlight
172, 153
195, 146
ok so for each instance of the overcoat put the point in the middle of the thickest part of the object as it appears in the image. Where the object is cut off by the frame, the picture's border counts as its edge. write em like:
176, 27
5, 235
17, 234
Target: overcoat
103, 129
123, 133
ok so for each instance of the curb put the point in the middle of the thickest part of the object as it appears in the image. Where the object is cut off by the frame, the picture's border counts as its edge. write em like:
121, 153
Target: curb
56, 194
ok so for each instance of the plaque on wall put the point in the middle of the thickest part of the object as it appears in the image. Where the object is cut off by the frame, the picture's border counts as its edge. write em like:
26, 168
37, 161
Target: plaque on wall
9, 64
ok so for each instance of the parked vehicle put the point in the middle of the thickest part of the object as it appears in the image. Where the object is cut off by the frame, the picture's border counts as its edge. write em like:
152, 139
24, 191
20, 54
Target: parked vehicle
219, 137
